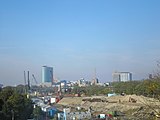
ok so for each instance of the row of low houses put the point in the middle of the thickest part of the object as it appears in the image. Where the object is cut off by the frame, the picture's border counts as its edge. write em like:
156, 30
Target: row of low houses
52, 112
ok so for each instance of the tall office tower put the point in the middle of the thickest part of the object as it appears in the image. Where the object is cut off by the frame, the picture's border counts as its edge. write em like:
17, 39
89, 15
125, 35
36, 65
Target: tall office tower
47, 74
121, 76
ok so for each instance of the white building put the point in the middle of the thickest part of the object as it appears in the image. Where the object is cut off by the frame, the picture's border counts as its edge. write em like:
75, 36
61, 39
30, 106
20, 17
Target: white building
81, 82
121, 76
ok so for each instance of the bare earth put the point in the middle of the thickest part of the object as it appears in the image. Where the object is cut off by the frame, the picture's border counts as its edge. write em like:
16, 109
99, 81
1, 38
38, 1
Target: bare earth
113, 103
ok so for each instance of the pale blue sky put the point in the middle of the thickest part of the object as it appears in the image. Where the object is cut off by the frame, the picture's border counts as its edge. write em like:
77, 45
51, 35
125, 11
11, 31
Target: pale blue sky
76, 36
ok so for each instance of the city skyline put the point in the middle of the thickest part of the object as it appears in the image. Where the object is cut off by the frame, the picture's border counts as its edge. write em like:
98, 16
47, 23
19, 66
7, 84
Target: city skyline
75, 37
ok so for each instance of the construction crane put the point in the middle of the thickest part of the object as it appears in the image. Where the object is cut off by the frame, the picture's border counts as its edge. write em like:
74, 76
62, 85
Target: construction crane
34, 79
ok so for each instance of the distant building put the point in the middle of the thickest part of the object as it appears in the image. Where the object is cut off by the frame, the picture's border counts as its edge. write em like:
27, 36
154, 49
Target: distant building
95, 81
61, 85
82, 82
116, 77
121, 76
47, 75
150, 76
125, 76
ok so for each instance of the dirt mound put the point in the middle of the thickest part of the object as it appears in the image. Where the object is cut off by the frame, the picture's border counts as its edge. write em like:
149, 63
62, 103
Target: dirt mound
104, 104
70, 101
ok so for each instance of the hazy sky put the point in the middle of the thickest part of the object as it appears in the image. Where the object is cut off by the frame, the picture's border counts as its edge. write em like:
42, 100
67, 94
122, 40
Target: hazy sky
77, 36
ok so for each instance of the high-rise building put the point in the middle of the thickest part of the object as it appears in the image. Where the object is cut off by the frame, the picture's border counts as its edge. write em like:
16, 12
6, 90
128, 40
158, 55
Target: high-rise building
47, 74
121, 76
116, 77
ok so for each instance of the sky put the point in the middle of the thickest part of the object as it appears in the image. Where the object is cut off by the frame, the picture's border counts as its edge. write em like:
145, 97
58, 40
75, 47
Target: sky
77, 36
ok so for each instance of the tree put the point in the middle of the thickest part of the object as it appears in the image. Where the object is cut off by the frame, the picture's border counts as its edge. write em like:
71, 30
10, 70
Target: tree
21, 106
37, 112
15, 106
6, 93
126, 87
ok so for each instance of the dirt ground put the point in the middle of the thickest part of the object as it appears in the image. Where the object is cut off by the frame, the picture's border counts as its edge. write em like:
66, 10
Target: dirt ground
103, 104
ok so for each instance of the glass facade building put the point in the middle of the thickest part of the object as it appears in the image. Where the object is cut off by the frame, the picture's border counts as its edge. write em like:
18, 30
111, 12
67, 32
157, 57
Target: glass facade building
47, 74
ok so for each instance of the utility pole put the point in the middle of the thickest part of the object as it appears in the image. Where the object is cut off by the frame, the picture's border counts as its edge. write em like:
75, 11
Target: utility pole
28, 82
25, 82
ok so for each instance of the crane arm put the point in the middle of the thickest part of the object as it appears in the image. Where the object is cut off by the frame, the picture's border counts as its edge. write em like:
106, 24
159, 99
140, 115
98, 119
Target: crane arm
34, 78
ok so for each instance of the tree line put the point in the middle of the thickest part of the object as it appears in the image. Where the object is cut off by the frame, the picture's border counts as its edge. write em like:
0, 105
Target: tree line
148, 87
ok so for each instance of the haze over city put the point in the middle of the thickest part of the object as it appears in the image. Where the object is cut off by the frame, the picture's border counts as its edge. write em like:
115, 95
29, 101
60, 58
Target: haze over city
75, 37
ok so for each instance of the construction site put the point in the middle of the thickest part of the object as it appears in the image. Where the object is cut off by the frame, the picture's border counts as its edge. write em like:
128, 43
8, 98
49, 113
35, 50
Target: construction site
80, 105
129, 107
